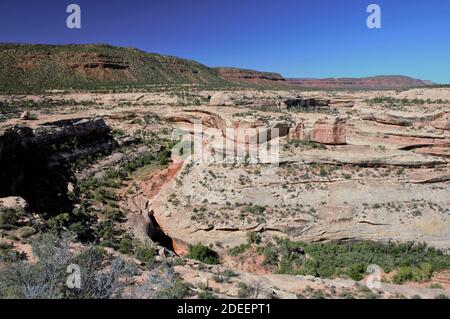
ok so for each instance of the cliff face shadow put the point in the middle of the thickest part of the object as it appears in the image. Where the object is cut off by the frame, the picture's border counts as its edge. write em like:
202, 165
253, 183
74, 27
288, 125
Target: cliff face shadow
26, 171
158, 235
36, 164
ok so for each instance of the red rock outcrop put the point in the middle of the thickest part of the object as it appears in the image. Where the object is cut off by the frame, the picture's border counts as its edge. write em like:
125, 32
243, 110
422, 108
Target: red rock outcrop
298, 132
329, 131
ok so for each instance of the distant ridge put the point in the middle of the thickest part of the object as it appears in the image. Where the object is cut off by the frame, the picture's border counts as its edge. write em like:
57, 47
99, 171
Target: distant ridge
28, 68
375, 82
244, 76
31, 67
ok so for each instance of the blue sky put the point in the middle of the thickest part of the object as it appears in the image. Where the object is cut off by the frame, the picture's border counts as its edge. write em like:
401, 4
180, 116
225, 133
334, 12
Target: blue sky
297, 38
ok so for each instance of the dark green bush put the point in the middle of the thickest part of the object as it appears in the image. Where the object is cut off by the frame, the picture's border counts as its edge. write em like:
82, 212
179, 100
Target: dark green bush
146, 254
126, 245
9, 216
238, 249
203, 254
352, 258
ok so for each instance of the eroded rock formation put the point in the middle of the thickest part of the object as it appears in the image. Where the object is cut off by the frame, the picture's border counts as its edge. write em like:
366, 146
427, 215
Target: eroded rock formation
329, 131
35, 162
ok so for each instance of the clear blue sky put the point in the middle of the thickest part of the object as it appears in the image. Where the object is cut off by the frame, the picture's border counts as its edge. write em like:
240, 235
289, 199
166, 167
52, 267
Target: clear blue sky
297, 38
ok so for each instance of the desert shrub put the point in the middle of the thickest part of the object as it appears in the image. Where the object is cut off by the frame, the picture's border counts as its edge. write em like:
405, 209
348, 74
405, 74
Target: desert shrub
238, 249
285, 254
352, 258
407, 273
27, 231
114, 214
435, 286
323, 172
310, 144
126, 245
318, 294
254, 238
178, 290
254, 209
244, 291
106, 233
356, 271
83, 231
164, 156
206, 295
224, 276
101, 275
162, 283
59, 221
10, 216
203, 254
146, 254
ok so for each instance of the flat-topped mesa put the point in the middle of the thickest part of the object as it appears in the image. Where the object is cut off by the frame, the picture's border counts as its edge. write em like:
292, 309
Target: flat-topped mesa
376, 82
243, 76
37, 68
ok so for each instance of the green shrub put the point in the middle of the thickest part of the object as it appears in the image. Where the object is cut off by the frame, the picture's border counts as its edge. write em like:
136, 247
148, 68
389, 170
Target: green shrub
174, 288
407, 273
254, 209
254, 238
126, 245
356, 271
102, 275
106, 233
114, 214
206, 295
203, 254
414, 261
9, 216
58, 222
224, 276
238, 249
244, 291
146, 254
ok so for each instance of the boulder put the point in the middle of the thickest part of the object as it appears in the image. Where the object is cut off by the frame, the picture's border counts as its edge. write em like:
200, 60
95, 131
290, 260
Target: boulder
329, 131
26, 115
14, 202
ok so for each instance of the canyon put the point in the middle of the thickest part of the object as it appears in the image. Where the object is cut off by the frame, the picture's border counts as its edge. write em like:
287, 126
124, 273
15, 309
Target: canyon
220, 182
345, 169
